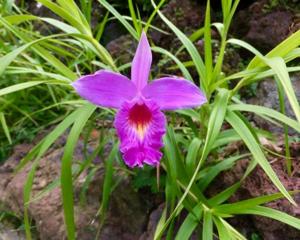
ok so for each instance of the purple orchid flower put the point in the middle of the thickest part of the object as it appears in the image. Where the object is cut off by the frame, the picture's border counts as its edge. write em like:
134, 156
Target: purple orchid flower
139, 122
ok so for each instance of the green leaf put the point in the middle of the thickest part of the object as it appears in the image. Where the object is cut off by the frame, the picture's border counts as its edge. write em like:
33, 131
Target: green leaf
272, 213
20, 86
207, 231
190, 223
225, 137
230, 233
231, 208
108, 180
20, 18
38, 49
69, 14
280, 50
207, 44
133, 16
38, 151
279, 67
260, 110
66, 168
160, 224
224, 195
243, 130
224, 234
209, 174
215, 122
181, 66
8, 58
5, 127
122, 20
192, 156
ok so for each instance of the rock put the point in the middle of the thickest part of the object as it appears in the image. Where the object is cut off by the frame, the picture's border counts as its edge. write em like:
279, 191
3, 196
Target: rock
126, 216
122, 49
269, 30
262, 28
267, 95
186, 15
152, 223
8, 233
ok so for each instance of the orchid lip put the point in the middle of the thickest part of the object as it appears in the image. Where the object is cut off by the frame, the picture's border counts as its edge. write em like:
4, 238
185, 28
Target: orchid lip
139, 118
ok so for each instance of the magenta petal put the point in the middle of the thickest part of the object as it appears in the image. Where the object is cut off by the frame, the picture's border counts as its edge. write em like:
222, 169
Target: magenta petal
141, 63
140, 126
105, 88
140, 155
174, 93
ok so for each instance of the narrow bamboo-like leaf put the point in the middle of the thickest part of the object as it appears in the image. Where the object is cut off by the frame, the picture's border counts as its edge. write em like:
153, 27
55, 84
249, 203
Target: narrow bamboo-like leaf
207, 44
20, 86
213, 171
215, 121
108, 180
279, 67
38, 151
5, 127
20, 18
133, 16
242, 129
227, 17
272, 213
190, 223
85, 186
160, 224
66, 169
260, 110
228, 192
226, 137
102, 27
191, 158
122, 20
280, 50
207, 230
183, 69
8, 58
40, 50
234, 234
153, 14
224, 195
192, 113
65, 14
288, 159
224, 234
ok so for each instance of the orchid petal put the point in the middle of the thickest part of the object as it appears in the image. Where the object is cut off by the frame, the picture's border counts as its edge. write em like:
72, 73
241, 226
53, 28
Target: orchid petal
141, 63
174, 93
105, 88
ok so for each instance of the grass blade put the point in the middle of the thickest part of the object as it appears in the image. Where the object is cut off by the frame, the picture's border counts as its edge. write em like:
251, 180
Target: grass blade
207, 231
5, 127
66, 168
243, 130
